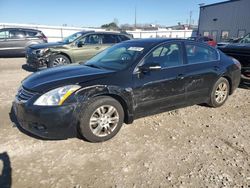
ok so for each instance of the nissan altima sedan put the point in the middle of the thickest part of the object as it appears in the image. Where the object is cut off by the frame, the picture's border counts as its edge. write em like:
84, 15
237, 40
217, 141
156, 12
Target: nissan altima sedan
127, 81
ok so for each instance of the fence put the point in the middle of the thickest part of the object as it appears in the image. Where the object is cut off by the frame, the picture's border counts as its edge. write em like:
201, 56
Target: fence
57, 33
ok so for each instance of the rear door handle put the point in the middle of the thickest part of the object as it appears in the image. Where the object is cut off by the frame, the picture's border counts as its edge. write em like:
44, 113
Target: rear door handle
180, 76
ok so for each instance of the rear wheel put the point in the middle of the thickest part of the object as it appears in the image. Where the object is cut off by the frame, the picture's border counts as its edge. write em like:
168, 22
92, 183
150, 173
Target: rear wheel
101, 119
219, 93
58, 60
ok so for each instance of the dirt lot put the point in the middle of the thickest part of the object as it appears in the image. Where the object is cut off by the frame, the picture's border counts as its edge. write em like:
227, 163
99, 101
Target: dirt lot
191, 147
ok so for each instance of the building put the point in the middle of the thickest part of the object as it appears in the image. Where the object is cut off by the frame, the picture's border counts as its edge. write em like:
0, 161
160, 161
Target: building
225, 20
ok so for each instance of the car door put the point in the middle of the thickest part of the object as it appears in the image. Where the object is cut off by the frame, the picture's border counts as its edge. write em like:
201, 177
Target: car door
86, 47
16, 41
3, 42
157, 90
202, 71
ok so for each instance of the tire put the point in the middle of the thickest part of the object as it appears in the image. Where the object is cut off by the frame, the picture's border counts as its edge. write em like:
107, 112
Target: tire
219, 93
101, 119
58, 60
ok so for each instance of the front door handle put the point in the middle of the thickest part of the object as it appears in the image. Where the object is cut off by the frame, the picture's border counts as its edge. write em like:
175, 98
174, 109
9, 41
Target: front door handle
97, 48
180, 76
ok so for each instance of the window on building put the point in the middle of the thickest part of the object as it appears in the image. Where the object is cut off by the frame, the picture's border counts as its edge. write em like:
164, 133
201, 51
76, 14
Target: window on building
206, 33
224, 35
214, 35
241, 33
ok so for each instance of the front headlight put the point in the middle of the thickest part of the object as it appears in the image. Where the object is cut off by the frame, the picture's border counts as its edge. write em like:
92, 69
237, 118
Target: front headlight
56, 96
41, 51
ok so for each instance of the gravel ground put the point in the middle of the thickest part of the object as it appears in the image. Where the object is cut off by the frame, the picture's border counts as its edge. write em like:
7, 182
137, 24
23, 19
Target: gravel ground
191, 147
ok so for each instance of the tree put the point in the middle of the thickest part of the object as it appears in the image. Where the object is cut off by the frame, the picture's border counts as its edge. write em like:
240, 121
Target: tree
110, 26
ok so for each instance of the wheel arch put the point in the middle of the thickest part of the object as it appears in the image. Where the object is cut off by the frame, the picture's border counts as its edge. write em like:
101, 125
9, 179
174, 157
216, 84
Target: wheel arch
65, 54
127, 118
230, 83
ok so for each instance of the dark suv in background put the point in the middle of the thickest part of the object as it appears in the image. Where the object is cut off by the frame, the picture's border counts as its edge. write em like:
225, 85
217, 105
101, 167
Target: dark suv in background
76, 48
13, 41
241, 52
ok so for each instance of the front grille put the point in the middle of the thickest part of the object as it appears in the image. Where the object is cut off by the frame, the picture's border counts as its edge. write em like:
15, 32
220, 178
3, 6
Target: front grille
24, 95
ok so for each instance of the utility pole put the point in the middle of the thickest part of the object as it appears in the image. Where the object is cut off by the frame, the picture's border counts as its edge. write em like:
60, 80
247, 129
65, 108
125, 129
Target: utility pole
190, 17
135, 17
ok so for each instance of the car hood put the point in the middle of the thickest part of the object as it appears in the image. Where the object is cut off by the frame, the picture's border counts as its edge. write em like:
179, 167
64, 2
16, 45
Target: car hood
46, 80
47, 45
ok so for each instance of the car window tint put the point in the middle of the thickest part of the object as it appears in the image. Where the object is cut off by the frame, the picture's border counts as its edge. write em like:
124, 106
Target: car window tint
92, 39
16, 34
109, 39
199, 54
31, 33
123, 37
168, 55
246, 39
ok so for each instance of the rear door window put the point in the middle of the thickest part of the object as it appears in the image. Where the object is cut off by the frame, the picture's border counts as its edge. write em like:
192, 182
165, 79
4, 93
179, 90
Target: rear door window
16, 34
199, 54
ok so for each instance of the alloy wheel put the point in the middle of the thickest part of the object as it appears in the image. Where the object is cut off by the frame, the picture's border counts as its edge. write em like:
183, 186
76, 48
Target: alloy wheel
59, 61
104, 120
221, 92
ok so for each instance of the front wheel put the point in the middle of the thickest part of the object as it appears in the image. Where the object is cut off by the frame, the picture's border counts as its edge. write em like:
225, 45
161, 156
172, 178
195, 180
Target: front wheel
219, 93
58, 60
101, 119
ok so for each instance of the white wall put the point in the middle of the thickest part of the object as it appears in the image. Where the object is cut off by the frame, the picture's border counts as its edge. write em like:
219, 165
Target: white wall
57, 33
163, 34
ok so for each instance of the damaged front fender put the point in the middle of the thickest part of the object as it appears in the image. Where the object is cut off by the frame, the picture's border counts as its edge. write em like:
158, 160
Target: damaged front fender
123, 95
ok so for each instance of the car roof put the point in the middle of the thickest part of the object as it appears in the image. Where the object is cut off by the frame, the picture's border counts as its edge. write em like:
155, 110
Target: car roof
19, 28
103, 32
154, 41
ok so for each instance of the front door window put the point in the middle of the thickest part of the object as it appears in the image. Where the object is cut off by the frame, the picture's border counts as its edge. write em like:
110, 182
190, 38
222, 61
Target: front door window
168, 55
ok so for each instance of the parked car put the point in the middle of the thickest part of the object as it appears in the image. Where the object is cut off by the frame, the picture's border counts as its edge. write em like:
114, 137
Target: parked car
208, 40
241, 52
132, 79
76, 48
13, 41
224, 43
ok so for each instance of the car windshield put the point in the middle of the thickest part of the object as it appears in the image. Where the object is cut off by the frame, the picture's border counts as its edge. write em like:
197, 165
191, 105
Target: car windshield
117, 57
71, 38
246, 39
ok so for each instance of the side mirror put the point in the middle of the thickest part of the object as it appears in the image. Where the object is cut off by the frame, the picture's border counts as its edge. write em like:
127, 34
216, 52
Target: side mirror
150, 67
79, 44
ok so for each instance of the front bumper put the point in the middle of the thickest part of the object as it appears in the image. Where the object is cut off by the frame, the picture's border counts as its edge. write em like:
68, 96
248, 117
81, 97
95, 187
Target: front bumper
34, 61
57, 122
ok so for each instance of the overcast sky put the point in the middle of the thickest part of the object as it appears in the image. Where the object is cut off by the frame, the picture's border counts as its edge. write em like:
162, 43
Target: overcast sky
97, 12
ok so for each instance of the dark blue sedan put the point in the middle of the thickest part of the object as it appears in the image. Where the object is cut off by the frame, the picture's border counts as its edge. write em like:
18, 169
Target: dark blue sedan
130, 80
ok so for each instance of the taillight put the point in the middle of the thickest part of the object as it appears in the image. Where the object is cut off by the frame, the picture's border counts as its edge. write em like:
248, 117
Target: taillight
43, 37
236, 62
